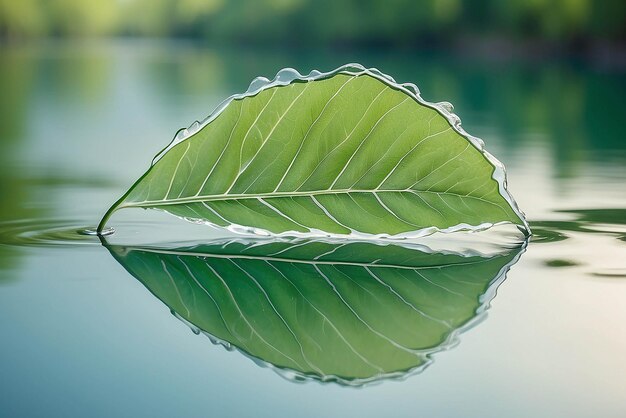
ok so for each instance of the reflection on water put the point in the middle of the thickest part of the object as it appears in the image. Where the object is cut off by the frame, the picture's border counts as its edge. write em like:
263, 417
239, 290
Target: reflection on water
43, 232
574, 110
347, 312
596, 236
79, 122
593, 221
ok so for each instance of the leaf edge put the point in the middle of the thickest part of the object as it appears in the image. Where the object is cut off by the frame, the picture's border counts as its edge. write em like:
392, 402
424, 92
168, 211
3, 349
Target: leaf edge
288, 75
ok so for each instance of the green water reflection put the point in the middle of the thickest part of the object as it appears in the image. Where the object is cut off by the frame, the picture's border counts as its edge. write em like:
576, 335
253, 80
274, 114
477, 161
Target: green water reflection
353, 313
574, 108
591, 221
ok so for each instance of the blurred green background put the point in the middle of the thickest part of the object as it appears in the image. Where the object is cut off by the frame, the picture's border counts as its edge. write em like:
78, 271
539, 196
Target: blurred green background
91, 90
572, 23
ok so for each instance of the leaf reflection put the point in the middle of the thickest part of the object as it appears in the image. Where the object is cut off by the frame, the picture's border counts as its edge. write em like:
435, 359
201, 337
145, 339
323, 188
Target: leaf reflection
352, 313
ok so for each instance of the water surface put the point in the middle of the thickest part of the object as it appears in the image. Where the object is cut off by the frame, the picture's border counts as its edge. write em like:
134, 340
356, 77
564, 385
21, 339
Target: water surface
81, 336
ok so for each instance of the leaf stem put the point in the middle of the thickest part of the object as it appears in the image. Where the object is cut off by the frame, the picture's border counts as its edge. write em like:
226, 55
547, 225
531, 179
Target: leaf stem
105, 218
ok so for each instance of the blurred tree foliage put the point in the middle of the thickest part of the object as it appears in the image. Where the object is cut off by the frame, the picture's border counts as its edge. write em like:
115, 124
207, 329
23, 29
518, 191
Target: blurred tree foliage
383, 22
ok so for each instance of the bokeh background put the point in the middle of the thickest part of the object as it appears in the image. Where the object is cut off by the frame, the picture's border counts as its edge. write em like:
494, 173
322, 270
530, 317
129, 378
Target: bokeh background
91, 90
574, 24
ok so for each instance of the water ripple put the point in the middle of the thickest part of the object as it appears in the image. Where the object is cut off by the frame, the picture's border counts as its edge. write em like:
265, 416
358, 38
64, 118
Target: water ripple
45, 233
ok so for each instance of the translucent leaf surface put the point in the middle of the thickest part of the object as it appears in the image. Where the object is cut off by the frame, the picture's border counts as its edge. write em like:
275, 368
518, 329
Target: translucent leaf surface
349, 152
352, 313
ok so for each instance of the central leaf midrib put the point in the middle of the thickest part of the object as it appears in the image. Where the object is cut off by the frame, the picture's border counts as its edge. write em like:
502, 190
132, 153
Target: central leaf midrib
222, 197
310, 261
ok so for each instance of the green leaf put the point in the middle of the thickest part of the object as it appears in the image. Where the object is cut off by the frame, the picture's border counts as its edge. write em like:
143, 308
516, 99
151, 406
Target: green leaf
351, 313
349, 152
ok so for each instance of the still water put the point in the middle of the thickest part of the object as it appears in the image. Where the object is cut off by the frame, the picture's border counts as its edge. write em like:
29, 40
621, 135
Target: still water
87, 329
